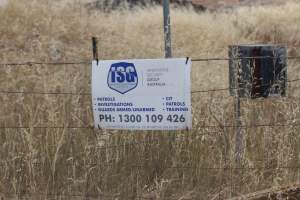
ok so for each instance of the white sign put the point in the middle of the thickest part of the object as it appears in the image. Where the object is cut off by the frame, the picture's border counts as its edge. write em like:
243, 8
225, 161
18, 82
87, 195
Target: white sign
152, 94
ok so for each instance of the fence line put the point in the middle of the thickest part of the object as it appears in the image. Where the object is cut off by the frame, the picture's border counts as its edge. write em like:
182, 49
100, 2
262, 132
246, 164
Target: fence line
146, 141
90, 127
12, 195
110, 134
136, 143
87, 195
83, 62
30, 63
221, 168
203, 126
239, 88
46, 93
89, 94
230, 167
239, 58
88, 62
84, 196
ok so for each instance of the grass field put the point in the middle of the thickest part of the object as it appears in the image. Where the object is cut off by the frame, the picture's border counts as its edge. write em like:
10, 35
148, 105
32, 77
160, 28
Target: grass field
77, 163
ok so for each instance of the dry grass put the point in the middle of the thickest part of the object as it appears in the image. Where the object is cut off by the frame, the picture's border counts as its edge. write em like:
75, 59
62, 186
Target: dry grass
129, 165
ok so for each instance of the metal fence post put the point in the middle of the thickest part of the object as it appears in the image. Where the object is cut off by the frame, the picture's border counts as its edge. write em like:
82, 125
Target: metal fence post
168, 54
239, 138
167, 29
235, 91
239, 132
239, 135
20, 177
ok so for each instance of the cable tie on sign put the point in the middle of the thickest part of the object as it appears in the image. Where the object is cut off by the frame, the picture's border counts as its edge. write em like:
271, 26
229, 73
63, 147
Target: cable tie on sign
95, 49
187, 60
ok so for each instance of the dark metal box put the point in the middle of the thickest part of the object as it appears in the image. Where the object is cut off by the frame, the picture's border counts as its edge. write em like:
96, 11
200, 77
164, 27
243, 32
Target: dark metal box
258, 70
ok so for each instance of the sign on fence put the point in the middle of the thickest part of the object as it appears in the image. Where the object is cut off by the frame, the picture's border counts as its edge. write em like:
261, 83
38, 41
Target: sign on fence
152, 94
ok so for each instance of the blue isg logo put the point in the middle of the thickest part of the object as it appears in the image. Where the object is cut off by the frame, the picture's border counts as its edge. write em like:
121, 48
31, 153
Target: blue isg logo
122, 77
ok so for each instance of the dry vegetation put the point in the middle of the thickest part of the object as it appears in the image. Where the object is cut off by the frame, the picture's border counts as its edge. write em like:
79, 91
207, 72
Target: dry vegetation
53, 163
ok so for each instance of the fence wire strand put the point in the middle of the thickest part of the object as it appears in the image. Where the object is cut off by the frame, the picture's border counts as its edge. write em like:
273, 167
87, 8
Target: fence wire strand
85, 62
201, 126
89, 94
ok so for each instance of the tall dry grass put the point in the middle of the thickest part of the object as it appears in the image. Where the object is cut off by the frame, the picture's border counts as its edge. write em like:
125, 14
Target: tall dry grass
53, 163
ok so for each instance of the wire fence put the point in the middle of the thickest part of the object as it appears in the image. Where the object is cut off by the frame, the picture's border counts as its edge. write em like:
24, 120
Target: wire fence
200, 126
100, 196
129, 167
219, 194
89, 94
29, 63
85, 62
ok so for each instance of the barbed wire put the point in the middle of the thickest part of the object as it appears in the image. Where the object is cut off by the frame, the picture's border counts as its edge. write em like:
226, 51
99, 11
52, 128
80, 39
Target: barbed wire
167, 133
89, 94
46, 93
85, 62
293, 80
244, 57
117, 195
85, 196
202, 126
151, 141
46, 127
238, 88
145, 166
113, 161
30, 63
222, 168
96, 196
